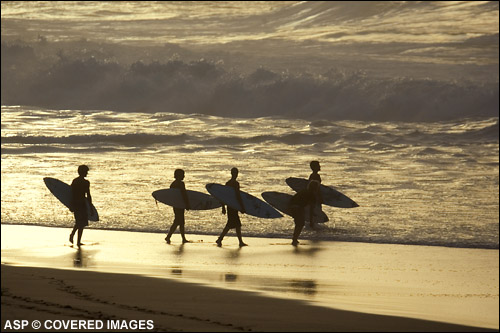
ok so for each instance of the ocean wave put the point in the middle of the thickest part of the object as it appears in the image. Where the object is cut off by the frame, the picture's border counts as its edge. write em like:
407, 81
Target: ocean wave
143, 140
491, 132
137, 139
203, 131
208, 87
430, 151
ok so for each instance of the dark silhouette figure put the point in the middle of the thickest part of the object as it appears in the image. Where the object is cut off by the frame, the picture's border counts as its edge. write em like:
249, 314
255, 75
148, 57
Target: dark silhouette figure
179, 212
315, 167
303, 198
80, 191
233, 219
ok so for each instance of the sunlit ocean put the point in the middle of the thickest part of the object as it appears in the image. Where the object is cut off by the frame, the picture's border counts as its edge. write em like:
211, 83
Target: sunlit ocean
416, 183
397, 100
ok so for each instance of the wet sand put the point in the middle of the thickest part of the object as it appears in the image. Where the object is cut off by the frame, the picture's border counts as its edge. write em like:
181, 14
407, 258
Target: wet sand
267, 286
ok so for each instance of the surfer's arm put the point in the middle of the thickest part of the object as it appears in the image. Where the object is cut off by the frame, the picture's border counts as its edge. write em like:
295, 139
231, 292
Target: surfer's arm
317, 178
320, 197
186, 199
89, 197
240, 201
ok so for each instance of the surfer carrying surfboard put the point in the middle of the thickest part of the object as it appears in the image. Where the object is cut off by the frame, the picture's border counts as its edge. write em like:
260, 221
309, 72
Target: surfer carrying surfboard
302, 199
233, 219
179, 212
316, 168
80, 192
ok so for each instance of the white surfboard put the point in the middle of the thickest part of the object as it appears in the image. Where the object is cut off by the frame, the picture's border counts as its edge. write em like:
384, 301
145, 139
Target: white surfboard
197, 200
62, 191
253, 205
331, 197
281, 201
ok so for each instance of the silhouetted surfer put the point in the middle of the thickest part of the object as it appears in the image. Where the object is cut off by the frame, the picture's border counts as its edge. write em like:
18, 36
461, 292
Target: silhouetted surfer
302, 199
233, 219
316, 168
80, 192
179, 212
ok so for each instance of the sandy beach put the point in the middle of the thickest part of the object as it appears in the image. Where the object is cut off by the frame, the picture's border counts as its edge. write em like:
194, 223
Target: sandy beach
267, 286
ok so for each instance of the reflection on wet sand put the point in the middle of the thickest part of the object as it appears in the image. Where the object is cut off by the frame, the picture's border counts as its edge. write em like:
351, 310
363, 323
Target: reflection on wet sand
78, 258
82, 258
230, 277
307, 287
307, 251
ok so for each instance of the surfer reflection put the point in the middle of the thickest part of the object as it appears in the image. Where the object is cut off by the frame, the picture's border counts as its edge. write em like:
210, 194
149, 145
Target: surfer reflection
298, 203
179, 212
78, 258
233, 219
80, 192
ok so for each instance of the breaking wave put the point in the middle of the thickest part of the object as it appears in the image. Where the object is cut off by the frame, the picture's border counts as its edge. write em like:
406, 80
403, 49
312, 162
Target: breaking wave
206, 87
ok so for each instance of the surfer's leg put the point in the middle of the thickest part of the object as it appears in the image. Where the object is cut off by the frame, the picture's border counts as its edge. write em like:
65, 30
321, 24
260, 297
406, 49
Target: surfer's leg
299, 225
181, 228
182, 221
72, 234
171, 231
178, 221
238, 233
296, 234
299, 220
80, 233
224, 232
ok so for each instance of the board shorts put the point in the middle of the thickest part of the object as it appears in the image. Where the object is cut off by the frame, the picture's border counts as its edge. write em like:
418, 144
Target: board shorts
81, 215
179, 216
298, 215
233, 219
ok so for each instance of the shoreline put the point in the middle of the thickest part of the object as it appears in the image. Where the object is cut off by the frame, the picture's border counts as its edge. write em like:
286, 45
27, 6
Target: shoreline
434, 284
303, 237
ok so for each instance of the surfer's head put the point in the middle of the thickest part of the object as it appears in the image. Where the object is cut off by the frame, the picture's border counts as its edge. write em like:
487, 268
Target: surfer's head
179, 174
315, 166
83, 170
234, 172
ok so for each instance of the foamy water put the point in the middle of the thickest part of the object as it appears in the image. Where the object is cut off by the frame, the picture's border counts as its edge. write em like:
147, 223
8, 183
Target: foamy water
416, 183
